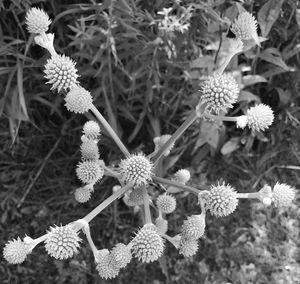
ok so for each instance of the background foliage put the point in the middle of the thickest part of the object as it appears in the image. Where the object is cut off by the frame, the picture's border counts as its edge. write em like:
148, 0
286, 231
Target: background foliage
145, 82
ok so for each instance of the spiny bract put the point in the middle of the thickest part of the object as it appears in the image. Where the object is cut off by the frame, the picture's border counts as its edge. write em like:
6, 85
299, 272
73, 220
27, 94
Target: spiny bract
193, 228
283, 194
166, 203
37, 21
16, 251
137, 169
61, 72
220, 92
89, 171
148, 245
221, 200
78, 100
62, 242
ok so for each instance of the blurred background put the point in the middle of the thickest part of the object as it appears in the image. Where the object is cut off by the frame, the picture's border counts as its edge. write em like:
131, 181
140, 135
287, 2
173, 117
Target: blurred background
143, 64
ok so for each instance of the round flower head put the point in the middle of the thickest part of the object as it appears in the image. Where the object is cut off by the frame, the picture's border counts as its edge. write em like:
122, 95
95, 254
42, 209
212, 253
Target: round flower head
89, 150
37, 21
245, 26
220, 92
148, 245
182, 176
78, 100
106, 267
16, 251
135, 197
91, 130
221, 200
242, 121
61, 72
160, 141
121, 255
188, 247
89, 171
136, 169
283, 194
259, 117
166, 203
82, 194
193, 228
162, 225
62, 242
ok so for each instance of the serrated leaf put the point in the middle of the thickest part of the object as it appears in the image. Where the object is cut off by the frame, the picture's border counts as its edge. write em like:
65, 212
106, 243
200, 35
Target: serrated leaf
273, 56
230, 146
268, 15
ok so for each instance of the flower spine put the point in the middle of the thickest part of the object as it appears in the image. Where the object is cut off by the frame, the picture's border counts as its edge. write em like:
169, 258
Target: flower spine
136, 169
62, 242
166, 203
220, 92
78, 100
37, 21
61, 72
148, 245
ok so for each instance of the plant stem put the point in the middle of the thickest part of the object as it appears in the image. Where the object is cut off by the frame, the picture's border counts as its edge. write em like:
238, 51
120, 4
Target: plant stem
109, 129
179, 185
106, 202
146, 205
190, 119
224, 118
87, 233
249, 195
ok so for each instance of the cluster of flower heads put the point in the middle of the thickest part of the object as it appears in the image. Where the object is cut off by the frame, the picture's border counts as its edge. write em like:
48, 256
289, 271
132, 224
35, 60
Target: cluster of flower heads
136, 172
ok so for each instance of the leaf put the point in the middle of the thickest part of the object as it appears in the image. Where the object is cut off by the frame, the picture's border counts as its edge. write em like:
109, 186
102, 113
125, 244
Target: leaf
273, 56
268, 15
248, 96
298, 17
253, 79
20, 90
209, 133
230, 146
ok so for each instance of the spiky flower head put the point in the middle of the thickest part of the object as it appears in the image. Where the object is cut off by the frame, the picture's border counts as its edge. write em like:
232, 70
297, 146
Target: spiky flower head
219, 92
91, 130
137, 169
135, 197
283, 194
221, 200
82, 194
182, 176
245, 26
160, 141
161, 225
188, 247
148, 245
166, 203
89, 171
61, 72
78, 100
16, 251
89, 150
62, 242
121, 255
37, 21
193, 228
259, 117
106, 266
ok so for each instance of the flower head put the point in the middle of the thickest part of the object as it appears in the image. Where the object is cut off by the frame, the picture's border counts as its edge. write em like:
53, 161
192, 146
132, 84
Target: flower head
37, 21
136, 169
89, 171
193, 228
106, 266
16, 251
221, 200
83, 194
61, 72
89, 150
245, 26
148, 245
283, 194
182, 176
220, 92
91, 130
259, 117
62, 242
121, 255
78, 100
135, 197
166, 203
161, 225
160, 141
188, 247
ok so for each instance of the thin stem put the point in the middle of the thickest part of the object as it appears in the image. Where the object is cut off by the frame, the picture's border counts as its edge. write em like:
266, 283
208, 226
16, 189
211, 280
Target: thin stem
89, 217
87, 232
218, 117
109, 129
249, 195
179, 185
190, 119
146, 205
